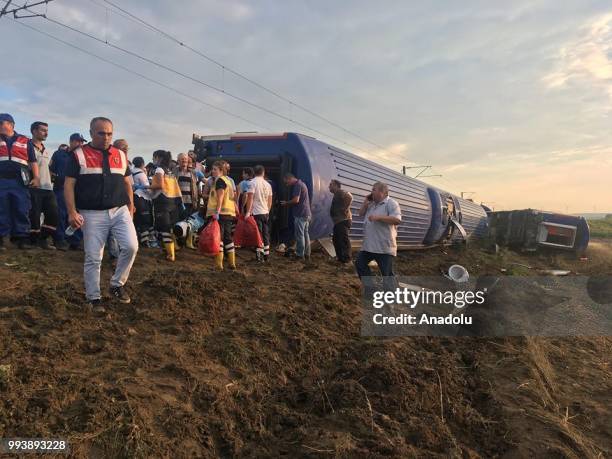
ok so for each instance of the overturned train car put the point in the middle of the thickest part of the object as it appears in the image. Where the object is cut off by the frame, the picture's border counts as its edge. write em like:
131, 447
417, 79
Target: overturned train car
430, 216
530, 229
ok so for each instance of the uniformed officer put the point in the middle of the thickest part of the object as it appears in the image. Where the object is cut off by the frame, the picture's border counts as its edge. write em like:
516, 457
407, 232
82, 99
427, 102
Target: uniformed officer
57, 166
97, 183
18, 170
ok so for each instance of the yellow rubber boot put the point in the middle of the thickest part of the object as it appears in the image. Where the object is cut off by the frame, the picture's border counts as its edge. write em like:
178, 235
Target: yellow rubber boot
231, 257
177, 247
189, 241
169, 246
219, 261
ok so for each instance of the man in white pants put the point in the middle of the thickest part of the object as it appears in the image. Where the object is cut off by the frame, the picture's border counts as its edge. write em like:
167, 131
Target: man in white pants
97, 184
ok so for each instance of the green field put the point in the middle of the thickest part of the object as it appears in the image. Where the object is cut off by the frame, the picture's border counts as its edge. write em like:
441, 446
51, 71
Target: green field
601, 227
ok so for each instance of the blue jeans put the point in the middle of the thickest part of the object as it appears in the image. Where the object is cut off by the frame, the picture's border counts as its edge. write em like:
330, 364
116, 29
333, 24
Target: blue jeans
62, 222
97, 226
302, 238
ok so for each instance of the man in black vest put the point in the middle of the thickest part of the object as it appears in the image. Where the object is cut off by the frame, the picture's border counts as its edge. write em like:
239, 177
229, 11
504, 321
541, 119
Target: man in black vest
98, 185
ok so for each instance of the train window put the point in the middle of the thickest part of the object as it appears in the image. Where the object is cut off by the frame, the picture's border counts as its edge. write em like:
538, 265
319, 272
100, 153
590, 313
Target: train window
555, 234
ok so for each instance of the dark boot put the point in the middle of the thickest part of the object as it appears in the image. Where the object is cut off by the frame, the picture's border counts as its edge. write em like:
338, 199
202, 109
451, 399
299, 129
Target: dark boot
45, 244
23, 244
61, 245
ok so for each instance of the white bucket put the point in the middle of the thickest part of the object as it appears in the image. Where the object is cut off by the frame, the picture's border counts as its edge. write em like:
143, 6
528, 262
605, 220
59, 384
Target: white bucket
458, 273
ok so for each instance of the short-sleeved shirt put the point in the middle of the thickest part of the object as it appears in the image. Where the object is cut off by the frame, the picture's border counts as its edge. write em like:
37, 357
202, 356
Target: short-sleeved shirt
379, 237
302, 208
100, 185
139, 177
12, 167
169, 186
220, 185
261, 192
245, 186
43, 157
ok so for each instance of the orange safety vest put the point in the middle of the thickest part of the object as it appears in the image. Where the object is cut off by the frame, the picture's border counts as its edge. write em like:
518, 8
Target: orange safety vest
90, 160
18, 151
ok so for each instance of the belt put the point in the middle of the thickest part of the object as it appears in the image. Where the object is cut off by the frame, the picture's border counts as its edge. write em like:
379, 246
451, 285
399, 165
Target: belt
9, 175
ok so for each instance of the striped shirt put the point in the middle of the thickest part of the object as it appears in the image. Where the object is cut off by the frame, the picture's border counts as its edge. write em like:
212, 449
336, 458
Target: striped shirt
185, 183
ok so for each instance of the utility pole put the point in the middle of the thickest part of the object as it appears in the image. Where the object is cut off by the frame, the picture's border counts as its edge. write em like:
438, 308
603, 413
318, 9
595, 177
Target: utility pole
6, 11
424, 168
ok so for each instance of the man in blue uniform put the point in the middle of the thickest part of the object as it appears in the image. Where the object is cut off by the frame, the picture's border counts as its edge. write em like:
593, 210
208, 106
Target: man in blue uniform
18, 170
57, 168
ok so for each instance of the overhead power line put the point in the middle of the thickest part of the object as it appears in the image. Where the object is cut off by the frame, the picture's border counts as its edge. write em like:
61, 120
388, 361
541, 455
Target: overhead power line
14, 11
205, 56
203, 83
133, 72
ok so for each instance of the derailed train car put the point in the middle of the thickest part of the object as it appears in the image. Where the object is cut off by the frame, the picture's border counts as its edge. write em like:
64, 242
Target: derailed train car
430, 215
530, 229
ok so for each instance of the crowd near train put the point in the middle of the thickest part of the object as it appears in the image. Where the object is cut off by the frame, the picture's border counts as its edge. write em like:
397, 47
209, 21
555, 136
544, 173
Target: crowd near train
92, 196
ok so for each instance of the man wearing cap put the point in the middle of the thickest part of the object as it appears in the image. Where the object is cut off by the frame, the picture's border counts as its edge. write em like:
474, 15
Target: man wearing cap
57, 166
97, 184
16, 156
43, 198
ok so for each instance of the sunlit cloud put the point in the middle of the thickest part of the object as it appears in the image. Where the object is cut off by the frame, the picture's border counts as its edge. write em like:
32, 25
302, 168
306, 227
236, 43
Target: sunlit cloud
588, 60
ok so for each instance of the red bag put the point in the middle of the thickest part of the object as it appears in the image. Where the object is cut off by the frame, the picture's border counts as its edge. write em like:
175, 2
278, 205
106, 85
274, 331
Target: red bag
247, 233
210, 239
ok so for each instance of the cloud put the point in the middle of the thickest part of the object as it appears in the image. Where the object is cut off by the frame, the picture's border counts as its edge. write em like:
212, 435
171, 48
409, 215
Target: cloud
454, 85
95, 22
393, 156
586, 60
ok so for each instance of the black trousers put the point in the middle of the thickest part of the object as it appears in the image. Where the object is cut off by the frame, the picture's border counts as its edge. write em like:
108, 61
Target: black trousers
43, 201
341, 241
263, 224
166, 213
143, 218
226, 222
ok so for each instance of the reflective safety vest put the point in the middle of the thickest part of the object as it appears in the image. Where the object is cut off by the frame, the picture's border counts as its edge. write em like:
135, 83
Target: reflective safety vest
170, 186
91, 160
18, 151
228, 206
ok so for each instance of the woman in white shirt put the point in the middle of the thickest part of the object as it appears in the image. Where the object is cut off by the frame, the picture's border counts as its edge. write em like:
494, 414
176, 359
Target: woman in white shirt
143, 217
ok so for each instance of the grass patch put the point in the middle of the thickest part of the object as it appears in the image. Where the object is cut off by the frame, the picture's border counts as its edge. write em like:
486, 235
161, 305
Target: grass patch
601, 227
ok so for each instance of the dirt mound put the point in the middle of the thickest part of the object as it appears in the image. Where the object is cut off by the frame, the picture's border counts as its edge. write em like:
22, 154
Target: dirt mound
268, 361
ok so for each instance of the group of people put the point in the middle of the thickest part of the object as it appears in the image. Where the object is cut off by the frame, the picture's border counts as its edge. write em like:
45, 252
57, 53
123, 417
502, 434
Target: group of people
92, 194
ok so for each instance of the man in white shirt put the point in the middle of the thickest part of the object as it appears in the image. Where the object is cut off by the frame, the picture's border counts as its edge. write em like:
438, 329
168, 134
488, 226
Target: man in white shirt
381, 217
258, 204
43, 198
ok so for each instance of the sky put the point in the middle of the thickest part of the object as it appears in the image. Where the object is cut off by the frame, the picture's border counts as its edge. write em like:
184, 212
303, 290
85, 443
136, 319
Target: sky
510, 102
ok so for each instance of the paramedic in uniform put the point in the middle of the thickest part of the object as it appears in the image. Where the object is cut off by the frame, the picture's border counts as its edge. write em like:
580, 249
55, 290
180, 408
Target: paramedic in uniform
98, 185
16, 155
223, 208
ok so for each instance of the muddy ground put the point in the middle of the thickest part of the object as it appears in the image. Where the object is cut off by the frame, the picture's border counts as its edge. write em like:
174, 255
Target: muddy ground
269, 362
